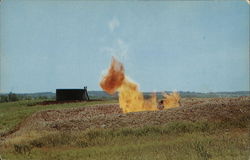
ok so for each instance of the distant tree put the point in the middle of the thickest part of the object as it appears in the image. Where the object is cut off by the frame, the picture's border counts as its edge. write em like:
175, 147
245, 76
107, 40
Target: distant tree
3, 98
12, 97
27, 98
42, 97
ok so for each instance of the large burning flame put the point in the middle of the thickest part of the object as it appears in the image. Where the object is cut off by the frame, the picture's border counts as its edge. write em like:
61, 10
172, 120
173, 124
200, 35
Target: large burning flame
130, 98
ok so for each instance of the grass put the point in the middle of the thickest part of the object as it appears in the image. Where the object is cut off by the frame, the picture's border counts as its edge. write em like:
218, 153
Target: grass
226, 140
175, 140
156, 142
12, 113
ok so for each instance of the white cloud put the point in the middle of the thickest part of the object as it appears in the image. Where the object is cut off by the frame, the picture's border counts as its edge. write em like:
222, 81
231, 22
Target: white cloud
114, 23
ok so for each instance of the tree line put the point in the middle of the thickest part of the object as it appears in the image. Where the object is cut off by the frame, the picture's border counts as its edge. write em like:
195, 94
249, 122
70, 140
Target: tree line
12, 97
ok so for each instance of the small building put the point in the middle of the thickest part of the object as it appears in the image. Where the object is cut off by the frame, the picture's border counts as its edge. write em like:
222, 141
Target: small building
72, 94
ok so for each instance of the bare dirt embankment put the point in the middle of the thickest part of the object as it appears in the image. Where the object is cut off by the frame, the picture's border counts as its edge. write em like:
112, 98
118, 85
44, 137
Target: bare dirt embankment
111, 116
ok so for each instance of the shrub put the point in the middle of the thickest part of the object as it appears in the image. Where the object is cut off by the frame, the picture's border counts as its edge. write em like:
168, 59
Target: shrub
22, 148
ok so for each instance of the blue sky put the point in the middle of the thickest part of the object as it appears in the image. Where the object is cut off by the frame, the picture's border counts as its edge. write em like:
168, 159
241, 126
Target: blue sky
164, 45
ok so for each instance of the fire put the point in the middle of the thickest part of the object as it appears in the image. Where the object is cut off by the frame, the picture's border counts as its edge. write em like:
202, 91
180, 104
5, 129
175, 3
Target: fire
130, 98
114, 78
171, 100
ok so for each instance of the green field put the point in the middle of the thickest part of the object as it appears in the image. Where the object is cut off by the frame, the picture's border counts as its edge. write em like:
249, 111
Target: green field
175, 140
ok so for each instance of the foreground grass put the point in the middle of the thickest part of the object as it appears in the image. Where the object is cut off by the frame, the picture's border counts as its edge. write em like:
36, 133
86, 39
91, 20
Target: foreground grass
175, 140
12, 113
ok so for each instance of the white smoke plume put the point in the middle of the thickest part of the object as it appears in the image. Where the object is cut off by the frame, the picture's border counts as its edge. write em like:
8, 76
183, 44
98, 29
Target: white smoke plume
119, 49
113, 24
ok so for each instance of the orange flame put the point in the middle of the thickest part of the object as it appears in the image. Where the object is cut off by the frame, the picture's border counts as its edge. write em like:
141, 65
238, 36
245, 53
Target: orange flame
130, 98
171, 100
114, 78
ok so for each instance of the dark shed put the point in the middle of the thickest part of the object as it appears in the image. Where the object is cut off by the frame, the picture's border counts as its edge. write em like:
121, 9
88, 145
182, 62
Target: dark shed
72, 94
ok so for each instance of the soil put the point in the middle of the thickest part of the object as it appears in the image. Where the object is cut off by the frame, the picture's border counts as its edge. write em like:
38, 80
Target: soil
62, 102
111, 116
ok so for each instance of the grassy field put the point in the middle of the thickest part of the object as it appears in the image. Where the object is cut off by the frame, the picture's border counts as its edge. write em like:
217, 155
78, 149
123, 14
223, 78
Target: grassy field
174, 140
12, 113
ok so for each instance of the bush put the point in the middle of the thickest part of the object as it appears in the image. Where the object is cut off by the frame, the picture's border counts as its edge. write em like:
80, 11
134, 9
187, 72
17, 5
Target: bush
22, 148
3, 98
12, 97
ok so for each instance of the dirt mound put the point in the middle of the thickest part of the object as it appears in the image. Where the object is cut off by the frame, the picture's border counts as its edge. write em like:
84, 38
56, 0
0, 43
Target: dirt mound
111, 116
62, 102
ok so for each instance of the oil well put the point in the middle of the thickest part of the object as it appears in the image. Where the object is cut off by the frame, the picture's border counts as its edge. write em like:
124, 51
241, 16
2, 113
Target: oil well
72, 94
